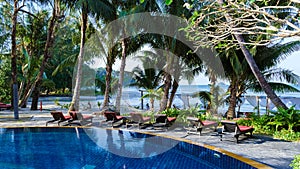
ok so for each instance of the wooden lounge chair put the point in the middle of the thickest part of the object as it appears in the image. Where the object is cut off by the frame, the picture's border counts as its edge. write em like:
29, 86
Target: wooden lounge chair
112, 117
58, 117
137, 119
235, 129
196, 125
79, 119
162, 120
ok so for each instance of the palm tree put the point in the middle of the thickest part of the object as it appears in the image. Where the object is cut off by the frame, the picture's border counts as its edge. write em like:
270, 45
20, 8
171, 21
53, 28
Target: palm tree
148, 78
241, 77
255, 69
14, 97
102, 9
153, 94
53, 23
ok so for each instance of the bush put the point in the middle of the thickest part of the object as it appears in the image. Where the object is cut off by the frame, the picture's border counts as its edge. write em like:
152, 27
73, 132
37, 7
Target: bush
296, 162
287, 135
172, 112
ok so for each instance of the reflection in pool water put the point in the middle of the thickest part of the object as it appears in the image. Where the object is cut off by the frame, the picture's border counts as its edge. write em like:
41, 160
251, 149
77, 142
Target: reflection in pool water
100, 148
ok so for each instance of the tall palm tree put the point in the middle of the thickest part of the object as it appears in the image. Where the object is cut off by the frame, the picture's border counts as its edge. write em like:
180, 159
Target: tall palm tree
53, 23
255, 69
242, 78
102, 9
14, 90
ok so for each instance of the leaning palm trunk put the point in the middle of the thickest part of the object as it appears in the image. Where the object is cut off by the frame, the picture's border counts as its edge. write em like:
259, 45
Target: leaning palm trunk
47, 55
259, 76
121, 78
27, 92
76, 96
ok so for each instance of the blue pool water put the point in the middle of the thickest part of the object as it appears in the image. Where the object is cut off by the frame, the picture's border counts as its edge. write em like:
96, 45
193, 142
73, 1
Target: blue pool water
93, 148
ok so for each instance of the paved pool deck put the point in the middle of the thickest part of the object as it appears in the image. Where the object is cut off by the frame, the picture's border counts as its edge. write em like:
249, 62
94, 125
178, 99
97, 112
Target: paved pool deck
264, 149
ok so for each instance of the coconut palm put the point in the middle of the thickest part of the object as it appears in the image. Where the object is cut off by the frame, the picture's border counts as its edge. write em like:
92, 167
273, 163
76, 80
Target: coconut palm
102, 9
242, 79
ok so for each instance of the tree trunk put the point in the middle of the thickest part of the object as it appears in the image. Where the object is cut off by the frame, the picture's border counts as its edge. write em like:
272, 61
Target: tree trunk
259, 76
167, 85
47, 55
74, 106
211, 107
176, 71
35, 97
27, 93
121, 76
173, 92
107, 81
232, 100
14, 97
152, 104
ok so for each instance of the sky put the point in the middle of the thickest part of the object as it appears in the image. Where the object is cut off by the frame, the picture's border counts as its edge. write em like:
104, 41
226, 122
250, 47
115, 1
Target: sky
292, 62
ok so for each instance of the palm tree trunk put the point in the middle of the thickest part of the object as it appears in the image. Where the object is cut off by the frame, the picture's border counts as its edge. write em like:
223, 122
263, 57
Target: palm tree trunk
14, 97
232, 100
27, 92
173, 92
259, 76
47, 55
76, 96
109, 64
121, 78
152, 104
211, 108
164, 100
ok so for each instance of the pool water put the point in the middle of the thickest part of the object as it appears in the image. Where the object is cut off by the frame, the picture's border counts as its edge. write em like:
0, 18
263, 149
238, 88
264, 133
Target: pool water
93, 148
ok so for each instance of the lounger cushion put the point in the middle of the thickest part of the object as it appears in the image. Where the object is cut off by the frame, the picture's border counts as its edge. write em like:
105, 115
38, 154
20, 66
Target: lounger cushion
207, 123
245, 128
119, 117
171, 119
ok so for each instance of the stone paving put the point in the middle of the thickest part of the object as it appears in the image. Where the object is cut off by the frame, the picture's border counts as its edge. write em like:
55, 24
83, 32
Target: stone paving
264, 149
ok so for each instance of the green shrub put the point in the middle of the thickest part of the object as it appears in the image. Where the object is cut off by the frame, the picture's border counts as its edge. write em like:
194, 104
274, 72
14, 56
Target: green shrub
285, 118
245, 122
296, 162
287, 135
260, 123
172, 112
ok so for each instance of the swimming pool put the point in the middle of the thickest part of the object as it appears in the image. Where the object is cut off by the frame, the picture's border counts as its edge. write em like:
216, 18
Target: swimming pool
91, 148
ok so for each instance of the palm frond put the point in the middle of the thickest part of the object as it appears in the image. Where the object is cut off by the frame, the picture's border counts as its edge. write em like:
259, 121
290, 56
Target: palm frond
279, 87
282, 75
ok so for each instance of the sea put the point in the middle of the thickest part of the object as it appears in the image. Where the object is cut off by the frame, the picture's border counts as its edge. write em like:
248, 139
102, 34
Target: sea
131, 97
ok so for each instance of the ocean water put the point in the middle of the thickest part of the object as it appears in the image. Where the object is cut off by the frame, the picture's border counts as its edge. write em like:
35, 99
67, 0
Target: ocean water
131, 97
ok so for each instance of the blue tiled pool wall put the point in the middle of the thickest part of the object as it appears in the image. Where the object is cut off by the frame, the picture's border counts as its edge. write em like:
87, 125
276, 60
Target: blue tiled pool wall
218, 159
83, 152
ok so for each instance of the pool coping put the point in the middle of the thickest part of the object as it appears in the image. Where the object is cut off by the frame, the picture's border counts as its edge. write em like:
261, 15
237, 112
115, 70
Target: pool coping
248, 161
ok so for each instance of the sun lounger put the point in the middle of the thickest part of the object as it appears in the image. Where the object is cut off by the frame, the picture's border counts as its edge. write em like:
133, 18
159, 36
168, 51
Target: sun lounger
162, 120
58, 117
79, 119
196, 125
4, 106
112, 117
137, 119
235, 129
